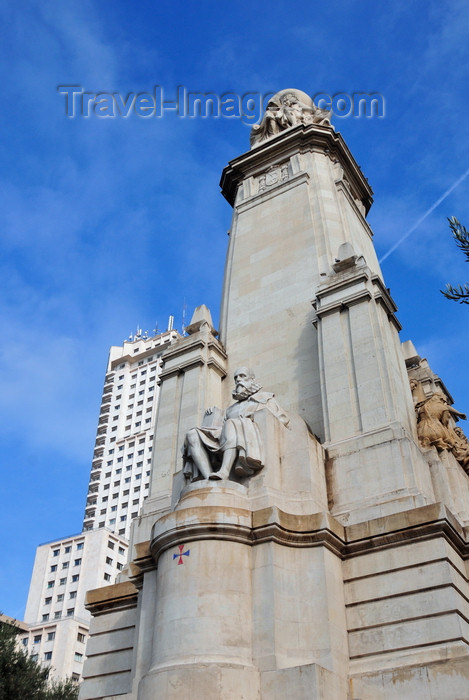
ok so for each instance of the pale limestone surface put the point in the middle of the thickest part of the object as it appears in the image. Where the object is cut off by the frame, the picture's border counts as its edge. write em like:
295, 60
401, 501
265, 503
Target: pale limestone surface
339, 571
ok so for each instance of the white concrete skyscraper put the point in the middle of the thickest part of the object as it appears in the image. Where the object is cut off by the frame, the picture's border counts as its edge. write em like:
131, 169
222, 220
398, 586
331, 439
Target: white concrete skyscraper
66, 568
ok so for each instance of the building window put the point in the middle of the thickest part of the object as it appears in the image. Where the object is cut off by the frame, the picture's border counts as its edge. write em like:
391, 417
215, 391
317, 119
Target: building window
110, 544
70, 612
50, 584
120, 566
56, 552
37, 638
130, 455
107, 577
48, 601
123, 517
68, 549
57, 615
60, 597
34, 657
50, 636
45, 617
25, 641
109, 560
78, 656
73, 594
120, 459
75, 578
121, 550
65, 565
114, 508
81, 637
62, 582
77, 562
47, 656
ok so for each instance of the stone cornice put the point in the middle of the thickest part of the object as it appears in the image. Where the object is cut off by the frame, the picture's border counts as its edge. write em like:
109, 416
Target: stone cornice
321, 529
273, 525
119, 596
299, 139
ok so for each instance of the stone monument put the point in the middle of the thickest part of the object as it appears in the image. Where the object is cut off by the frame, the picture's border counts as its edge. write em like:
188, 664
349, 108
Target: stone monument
309, 540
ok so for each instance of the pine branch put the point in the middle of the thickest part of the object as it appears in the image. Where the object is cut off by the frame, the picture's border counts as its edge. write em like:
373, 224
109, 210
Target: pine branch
458, 293
460, 235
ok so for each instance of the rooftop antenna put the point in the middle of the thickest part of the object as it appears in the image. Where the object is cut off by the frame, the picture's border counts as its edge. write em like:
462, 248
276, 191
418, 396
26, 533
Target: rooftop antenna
155, 330
170, 323
184, 307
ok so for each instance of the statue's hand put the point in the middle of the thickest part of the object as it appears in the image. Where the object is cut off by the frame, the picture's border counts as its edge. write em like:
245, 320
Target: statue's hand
209, 411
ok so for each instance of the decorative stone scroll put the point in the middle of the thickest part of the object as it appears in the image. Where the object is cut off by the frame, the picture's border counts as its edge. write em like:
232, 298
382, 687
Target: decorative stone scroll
286, 109
233, 439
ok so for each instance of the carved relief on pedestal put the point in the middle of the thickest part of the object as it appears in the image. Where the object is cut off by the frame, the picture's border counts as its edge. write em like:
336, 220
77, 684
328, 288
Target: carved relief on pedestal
274, 176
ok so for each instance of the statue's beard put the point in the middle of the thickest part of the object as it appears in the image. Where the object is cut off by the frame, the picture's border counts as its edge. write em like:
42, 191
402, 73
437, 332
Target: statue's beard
243, 391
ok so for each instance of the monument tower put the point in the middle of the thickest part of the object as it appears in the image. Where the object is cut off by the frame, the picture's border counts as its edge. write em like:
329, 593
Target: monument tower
305, 537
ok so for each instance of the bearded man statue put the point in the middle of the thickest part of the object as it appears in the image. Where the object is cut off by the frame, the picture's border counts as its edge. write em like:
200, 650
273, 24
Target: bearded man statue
211, 452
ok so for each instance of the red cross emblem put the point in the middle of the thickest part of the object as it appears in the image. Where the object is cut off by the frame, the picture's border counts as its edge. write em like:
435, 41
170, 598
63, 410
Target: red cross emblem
181, 554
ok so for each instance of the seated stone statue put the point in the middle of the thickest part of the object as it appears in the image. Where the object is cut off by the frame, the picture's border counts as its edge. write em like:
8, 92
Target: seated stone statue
236, 439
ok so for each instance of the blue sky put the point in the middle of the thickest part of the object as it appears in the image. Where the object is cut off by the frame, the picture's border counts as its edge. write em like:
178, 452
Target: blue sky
110, 223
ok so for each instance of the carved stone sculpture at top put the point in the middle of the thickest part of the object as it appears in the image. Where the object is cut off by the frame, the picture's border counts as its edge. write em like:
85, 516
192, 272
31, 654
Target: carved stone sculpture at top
234, 438
286, 109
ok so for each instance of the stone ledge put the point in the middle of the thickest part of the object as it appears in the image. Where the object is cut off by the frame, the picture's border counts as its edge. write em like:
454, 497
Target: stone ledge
118, 596
319, 529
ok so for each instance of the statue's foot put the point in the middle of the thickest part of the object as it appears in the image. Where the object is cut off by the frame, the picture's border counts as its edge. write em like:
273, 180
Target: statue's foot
219, 476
